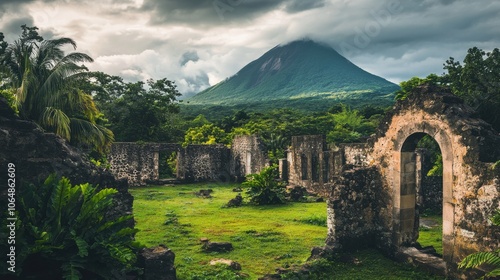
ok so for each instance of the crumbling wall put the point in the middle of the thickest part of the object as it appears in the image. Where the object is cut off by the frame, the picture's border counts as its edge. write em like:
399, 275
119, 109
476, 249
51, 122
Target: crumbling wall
139, 162
248, 156
357, 206
197, 163
470, 188
136, 162
356, 154
311, 164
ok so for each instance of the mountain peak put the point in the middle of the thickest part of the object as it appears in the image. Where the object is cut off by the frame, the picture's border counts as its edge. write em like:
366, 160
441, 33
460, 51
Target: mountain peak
299, 70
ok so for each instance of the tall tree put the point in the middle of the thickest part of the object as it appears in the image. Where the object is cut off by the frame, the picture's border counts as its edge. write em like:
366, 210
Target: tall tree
477, 81
140, 111
44, 79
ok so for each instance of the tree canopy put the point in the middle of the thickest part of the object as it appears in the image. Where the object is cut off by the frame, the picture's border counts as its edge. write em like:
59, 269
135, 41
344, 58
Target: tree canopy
43, 82
476, 81
137, 111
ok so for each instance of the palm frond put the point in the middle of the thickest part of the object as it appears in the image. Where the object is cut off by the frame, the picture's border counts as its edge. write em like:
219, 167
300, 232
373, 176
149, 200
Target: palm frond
87, 132
57, 121
477, 259
75, 57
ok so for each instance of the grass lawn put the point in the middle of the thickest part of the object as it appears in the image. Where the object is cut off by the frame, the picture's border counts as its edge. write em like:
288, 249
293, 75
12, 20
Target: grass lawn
432, 236
264, 237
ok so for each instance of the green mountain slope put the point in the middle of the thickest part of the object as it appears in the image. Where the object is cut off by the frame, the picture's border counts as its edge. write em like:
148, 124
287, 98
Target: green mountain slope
301, 73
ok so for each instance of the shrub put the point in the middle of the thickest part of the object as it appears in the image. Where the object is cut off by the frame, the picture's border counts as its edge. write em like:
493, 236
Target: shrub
264, 188
66, 235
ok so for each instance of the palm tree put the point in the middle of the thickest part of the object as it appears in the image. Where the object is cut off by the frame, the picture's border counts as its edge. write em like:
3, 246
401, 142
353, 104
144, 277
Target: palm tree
46, 79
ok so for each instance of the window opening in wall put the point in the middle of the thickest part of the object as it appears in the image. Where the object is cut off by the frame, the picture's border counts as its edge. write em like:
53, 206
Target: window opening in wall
326, 166
303, 164
167, 165
315, 168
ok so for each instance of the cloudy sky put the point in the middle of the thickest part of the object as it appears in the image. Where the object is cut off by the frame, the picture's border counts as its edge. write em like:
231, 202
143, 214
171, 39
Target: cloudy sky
198, 43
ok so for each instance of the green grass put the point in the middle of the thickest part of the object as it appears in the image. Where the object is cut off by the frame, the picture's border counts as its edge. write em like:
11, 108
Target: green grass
261, 235
264, 237
432, 236
366, 264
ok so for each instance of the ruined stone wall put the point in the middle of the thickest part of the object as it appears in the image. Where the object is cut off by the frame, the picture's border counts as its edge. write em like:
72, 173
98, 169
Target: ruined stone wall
357, 154
311, 163
356, 209
139, 162
136, 162
470, 188
248, 156
197, 163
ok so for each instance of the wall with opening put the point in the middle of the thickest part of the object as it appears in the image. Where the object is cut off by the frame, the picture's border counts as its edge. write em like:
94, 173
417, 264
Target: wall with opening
469, 146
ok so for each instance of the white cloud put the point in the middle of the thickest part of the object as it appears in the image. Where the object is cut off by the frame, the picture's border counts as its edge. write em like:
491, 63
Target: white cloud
140, 39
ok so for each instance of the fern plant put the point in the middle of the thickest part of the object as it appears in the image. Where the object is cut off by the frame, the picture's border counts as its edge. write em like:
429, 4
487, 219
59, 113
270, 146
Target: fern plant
264, 189
485, 258
66, 234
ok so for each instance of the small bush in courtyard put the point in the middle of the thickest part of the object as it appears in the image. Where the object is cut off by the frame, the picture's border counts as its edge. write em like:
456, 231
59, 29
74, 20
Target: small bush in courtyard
264, 188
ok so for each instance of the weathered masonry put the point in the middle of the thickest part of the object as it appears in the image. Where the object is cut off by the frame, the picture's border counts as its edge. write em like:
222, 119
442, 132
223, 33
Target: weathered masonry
139, 162
373, 189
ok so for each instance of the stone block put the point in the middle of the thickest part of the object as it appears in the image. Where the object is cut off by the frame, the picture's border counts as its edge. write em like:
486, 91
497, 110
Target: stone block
158, 263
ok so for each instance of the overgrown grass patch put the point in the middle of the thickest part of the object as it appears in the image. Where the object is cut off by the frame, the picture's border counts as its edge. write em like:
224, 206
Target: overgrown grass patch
264, 237
365, 264
261, 235
432, 236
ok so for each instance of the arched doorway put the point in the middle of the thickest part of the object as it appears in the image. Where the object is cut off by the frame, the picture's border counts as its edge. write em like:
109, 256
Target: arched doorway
406, 224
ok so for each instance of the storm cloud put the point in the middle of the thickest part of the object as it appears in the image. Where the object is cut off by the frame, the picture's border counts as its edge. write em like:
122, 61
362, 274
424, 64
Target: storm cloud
198, 43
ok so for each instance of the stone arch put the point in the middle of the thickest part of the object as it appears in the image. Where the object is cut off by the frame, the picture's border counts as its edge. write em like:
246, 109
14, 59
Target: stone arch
405, 227
469, 147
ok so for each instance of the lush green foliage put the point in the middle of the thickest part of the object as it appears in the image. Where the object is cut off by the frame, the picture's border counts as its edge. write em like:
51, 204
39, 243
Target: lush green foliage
264, 188
478, 259
10, 96
296, 75
137, 111
476, 81
65, 233
206, 134
408, 86
428, 143
276, 127
44, 79
276, 146
167, 167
